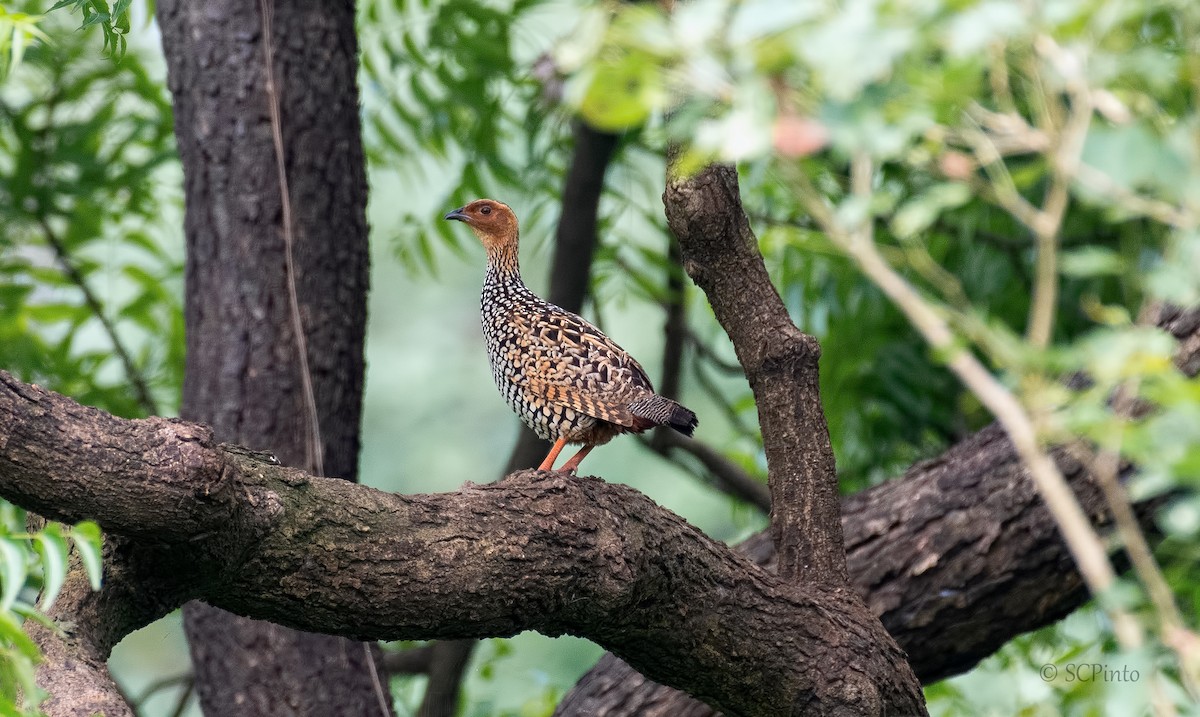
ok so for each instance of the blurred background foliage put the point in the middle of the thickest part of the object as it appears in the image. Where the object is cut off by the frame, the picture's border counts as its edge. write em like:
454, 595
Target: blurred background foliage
963, 110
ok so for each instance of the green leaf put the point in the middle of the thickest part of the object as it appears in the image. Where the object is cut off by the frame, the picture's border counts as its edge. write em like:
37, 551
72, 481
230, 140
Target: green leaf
57, 313
1091, 261
88, 542
13, 569
622, 94
53, 551
12, 633
916, 215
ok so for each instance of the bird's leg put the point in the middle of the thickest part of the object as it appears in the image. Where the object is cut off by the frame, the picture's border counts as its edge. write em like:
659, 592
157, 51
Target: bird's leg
548, 464
572, 465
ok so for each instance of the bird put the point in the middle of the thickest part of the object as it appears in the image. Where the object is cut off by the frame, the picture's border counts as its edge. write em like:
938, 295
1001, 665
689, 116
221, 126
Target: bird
565, 379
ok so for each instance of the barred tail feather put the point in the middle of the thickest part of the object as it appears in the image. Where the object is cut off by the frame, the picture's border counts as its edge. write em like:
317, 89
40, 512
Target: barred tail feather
683, 420
662, 411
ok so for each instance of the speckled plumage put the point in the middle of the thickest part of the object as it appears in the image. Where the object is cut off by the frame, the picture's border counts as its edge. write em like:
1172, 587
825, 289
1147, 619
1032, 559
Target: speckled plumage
563, 377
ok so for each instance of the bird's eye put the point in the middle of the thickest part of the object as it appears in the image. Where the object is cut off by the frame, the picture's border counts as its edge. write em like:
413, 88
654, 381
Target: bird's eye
485, 209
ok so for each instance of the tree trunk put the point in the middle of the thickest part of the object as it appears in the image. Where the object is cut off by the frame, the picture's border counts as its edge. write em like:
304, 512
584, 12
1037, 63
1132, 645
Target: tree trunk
243, 373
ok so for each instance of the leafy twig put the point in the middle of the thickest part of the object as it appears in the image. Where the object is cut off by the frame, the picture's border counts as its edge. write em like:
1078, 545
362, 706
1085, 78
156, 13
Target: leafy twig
1048, 220
136, 379
1158, 210
1106, 466
1084, 544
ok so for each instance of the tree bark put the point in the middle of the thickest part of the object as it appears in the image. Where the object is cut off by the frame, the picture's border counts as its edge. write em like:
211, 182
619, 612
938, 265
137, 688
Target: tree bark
243, 372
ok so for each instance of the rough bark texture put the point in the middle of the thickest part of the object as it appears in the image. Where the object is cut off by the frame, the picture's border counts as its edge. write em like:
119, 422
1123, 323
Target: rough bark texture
721, 255
243, 375
74, 670
592, 559
957, 557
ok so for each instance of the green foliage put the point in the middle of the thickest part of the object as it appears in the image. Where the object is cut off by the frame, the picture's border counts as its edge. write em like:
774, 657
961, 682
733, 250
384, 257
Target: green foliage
466, 95
88, 293
541, 698
447, 93
17, 31
113, 21
1069, 669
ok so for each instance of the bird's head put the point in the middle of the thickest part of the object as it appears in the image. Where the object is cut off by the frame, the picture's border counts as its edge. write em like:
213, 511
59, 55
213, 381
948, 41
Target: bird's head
493, 222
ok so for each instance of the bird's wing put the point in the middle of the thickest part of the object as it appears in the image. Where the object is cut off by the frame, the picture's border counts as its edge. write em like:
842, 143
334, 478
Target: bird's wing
579, 354
569, 362
589, 403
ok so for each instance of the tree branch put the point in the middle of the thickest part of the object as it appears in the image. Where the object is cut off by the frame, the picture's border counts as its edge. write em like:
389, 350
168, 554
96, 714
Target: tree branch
727, 476
724, 474
414, 661
575, 238
721, 255
592, 559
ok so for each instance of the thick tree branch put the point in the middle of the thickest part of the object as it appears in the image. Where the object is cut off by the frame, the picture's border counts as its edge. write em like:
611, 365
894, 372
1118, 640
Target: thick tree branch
723, 473
592, 559
721, 255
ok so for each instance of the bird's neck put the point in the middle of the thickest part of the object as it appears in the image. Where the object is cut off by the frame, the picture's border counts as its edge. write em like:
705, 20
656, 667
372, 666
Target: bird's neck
502, 263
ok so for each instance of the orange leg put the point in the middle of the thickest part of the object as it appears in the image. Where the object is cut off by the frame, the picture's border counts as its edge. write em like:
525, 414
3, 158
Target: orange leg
572, 465
548, 464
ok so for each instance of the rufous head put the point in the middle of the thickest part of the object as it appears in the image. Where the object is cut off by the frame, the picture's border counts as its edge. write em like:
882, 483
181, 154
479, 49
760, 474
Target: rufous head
493, 222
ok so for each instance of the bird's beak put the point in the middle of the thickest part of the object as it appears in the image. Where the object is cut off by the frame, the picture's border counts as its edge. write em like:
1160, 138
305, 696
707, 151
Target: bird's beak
457, 214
